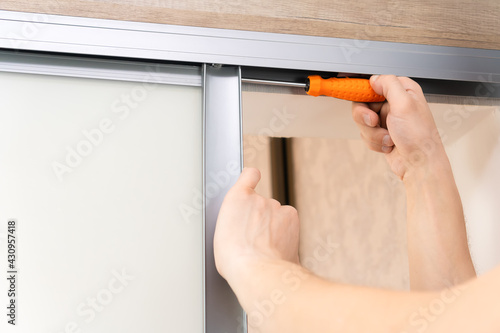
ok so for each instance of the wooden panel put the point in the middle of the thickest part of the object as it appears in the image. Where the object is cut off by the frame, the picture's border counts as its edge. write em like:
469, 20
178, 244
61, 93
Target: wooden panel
463, 23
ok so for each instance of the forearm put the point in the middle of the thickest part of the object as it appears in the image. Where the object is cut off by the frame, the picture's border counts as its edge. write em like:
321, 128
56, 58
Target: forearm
284, 297
437, 240
474, 309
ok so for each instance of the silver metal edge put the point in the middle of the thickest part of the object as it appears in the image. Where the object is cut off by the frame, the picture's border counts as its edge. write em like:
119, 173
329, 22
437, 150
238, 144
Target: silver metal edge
274, 83
204, 199
240, 96
242, 164
223, 145
107, 69
88, 36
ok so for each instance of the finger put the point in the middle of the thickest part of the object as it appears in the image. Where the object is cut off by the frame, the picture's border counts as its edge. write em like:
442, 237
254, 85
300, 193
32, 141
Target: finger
389, 86
410, 85
363, 115
376, 139
290, 211
378, 148
249, 178
275, 203
370, 130
384, 111
376, 106
379, 136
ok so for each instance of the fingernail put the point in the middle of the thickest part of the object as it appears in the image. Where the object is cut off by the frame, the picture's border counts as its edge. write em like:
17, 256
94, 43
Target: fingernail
374, 78
367, 119
386, 149
387, 141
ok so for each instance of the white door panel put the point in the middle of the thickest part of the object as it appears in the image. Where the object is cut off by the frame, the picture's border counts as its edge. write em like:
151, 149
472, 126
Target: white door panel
95, 172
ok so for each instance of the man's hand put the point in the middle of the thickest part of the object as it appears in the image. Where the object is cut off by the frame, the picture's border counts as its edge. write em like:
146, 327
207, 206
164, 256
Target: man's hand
402, 127
251, 227
256, 251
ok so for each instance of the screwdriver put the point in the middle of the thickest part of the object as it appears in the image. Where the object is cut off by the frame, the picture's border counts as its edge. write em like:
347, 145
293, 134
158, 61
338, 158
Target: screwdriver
350, 89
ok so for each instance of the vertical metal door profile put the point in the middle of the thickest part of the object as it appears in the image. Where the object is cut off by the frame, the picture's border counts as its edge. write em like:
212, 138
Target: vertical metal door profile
222, 164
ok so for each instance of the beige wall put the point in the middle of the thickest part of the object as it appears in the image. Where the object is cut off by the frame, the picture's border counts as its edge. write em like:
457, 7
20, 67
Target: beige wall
463, 23
352, 211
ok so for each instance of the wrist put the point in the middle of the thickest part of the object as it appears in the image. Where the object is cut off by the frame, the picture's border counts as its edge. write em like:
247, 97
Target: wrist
252, 278
248, 268
433, 169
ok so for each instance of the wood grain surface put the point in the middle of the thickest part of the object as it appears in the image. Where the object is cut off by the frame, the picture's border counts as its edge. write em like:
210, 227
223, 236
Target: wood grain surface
462, 23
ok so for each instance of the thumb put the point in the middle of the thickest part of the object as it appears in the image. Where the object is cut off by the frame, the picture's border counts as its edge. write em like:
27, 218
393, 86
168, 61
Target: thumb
249, 178
389, 86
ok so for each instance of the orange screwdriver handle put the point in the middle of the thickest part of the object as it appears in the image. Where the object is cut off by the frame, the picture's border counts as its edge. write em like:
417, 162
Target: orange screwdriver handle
351, 89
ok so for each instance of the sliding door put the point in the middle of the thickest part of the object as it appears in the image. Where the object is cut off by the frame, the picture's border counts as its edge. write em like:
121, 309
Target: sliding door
101, 196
